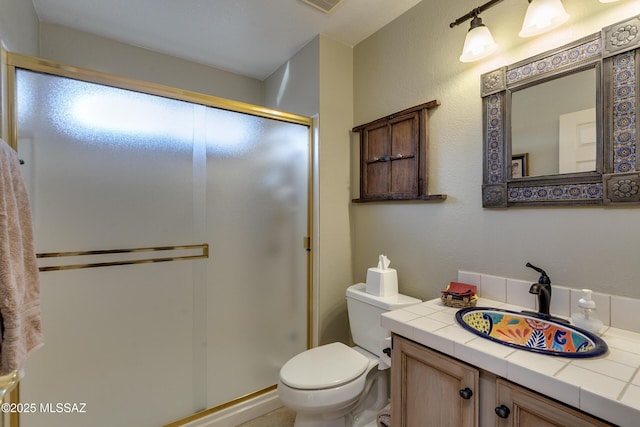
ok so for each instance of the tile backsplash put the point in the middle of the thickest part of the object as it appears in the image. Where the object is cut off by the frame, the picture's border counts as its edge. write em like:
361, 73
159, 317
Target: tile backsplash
615, 311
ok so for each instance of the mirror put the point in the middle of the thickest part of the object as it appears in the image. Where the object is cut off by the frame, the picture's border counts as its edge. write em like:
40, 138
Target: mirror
560, 128
561, 135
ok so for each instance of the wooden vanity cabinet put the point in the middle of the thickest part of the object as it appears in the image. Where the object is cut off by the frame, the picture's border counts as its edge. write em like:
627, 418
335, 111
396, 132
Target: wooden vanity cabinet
431, 389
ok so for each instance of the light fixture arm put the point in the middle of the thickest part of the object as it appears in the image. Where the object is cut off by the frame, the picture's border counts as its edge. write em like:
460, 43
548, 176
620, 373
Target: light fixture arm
474, 13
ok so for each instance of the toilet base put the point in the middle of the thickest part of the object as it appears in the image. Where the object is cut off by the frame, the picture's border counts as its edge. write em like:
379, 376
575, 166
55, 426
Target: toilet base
303, 420
364, 412
334, 423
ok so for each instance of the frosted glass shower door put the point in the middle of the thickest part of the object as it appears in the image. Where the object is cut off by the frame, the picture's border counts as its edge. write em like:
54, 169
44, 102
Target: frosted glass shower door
148, 344
257, 183
108, 168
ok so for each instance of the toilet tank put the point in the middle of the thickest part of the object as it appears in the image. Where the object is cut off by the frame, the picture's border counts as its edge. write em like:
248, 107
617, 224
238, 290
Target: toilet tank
364, 315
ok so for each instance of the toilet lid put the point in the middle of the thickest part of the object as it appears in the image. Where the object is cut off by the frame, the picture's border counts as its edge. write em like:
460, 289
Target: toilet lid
323, 367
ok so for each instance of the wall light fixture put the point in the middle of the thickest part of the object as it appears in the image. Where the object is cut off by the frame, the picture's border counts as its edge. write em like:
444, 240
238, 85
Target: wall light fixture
541, 16
479, 42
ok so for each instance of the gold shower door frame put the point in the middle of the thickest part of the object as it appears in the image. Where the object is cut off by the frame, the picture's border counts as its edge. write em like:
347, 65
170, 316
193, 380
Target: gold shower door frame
10, 62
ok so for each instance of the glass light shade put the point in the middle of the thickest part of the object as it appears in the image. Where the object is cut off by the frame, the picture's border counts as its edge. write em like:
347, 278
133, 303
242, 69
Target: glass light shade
542, 16
478, 44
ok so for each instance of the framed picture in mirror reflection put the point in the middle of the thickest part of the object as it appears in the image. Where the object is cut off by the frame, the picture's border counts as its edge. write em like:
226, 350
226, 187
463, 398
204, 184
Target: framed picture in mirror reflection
519, 165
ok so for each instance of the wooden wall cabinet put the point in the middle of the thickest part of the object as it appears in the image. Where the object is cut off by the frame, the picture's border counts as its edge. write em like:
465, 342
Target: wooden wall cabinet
429, 388
394, 156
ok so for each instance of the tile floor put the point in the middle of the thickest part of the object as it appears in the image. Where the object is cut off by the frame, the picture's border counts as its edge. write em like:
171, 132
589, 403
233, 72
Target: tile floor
279, 418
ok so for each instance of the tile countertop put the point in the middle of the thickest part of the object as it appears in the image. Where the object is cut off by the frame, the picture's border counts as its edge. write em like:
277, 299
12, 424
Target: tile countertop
607, 386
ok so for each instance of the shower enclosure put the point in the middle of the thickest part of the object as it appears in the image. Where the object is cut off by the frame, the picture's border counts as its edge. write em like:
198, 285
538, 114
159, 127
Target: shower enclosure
169, 228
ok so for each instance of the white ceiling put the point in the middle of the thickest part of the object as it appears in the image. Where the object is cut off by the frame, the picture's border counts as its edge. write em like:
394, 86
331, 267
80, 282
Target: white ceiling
248, 37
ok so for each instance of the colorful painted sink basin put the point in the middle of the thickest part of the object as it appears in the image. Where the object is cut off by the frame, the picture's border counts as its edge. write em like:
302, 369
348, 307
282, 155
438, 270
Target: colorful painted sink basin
531, 333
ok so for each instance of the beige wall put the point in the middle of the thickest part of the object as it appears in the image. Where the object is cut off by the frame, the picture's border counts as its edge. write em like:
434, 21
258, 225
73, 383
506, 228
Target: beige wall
415, 59
295, 85
89, 51
336, 118
318, 81
19, 26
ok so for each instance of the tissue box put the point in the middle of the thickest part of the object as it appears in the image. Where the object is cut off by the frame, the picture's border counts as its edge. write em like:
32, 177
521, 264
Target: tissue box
382, 283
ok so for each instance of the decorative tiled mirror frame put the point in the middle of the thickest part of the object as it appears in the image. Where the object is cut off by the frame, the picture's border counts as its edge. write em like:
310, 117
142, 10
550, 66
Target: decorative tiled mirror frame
615, 54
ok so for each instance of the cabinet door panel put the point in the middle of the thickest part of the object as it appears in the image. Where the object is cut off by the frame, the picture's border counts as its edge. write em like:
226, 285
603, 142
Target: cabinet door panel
404, 142
425, 388
530, 409
377, 179
377, 174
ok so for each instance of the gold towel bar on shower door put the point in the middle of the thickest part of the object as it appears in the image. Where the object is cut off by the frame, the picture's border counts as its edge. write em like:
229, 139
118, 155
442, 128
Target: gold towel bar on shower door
203, 247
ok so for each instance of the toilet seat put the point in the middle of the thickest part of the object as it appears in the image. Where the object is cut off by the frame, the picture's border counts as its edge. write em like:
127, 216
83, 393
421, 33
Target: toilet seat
323, 367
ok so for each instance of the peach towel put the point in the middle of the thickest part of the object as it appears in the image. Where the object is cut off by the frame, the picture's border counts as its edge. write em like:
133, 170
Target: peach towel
19, 282
384, 416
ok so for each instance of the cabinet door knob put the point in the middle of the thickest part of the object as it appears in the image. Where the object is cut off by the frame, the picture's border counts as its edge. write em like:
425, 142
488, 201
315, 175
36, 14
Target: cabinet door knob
466, 393
502, 411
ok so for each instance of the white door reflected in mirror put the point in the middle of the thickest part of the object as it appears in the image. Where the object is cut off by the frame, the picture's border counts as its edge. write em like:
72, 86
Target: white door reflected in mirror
577, 148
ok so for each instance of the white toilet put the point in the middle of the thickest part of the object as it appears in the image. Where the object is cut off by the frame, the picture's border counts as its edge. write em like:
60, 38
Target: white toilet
338, 386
